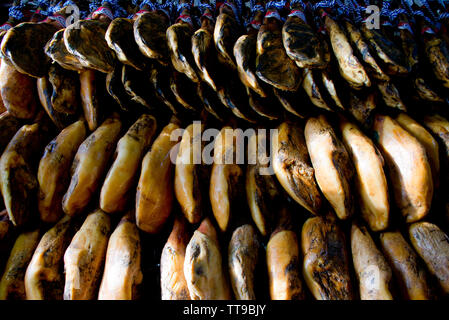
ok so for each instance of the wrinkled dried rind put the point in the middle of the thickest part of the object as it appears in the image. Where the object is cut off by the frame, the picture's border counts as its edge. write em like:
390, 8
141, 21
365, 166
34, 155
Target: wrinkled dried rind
407, 267
243, 255
203, 269
120, 38
226, 33
149, 33
45, 91
65, 97
154, 198
85, 39
245, 55
371, 268
334, 170
409, 168
357, 40
84, 257
425, 92
370, 176
329, 84
390, 56
202, 50
301, 43
122, 270
293, 168
179, 39
17, 91
9, 125
390, 95
18, 180
89, 165
284, 269
56, 50
53, 174
438, 55
12, 286
326, 262
361, 107
350, 67
44, 278
273, 66
432, 244
24, 44
310, 86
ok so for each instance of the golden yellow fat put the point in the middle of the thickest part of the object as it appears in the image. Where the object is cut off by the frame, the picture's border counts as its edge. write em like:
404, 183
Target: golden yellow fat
122, 271
370, 176
85, 256
128, 156
284, 269
12, 285
53, 174
89, 165
154, 197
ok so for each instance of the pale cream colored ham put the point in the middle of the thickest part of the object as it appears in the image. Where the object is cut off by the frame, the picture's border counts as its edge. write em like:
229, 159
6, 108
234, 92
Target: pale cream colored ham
291, 164
409, 168
432, 244
89, 165
44, 277
334, 170
408, 269
188, 181
154, 197
85, 256
226, 181
122, 274
12, 285
428, 142
371, 268
243, 256
350, 67
131, 148
203, 269
173, 282
370, 176
284, 268
326, 260
54, 170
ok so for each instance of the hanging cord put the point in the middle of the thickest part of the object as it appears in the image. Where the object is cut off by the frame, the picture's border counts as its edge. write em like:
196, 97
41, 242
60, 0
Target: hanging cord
206, 6
167, 8
278, 5
96, 8
184, 17
356, 11
251, 21
148, 3
16, 11
42, 8
295, 12
342, 10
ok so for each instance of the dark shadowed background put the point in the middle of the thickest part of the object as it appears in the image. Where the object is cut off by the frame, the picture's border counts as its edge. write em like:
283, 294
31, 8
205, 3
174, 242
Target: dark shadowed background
4, 5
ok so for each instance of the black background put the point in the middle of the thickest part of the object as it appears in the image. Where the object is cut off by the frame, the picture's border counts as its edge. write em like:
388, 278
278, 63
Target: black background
4, 5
